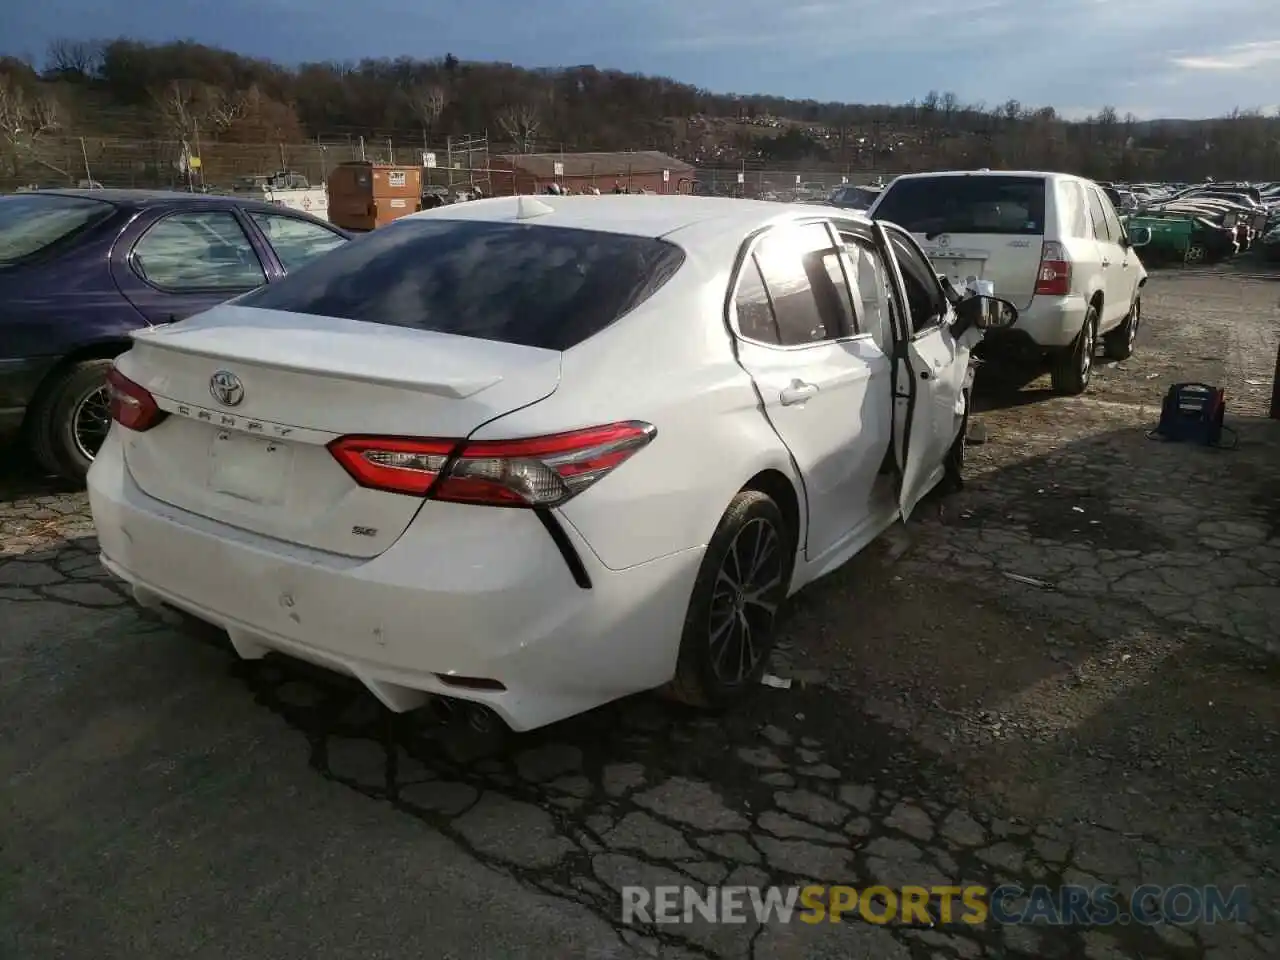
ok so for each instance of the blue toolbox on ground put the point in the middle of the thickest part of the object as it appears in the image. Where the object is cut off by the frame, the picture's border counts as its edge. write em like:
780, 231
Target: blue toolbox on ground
1192, 413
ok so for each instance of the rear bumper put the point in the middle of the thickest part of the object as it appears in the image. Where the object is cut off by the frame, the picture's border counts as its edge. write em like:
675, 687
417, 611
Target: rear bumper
19, 380
465, 592
1049, 323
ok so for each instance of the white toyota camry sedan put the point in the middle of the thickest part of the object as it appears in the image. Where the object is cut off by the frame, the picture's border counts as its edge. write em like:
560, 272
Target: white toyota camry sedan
531, 454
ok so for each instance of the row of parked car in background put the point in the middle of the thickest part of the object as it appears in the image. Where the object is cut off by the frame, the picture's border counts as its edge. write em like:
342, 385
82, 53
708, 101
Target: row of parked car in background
1203, 223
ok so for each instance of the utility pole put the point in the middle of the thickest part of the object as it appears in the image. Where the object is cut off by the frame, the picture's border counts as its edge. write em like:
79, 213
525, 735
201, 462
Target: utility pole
84, 152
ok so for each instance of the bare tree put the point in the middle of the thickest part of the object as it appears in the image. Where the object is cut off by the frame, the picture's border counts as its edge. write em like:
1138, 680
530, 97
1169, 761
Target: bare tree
221, 109
427, 104
23, 115
184, 109
25, 121
521, 124
74, 58
1107, 120
173, 104
950, 106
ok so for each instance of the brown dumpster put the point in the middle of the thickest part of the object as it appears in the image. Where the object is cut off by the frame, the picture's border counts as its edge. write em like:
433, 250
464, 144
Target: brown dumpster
364, 195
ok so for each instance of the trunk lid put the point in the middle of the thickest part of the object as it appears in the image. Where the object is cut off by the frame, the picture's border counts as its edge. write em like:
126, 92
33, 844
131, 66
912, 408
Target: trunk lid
256, 457
1011, 263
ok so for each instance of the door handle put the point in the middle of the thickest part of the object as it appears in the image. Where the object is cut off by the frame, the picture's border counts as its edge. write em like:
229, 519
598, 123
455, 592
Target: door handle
1106, 263
798, 392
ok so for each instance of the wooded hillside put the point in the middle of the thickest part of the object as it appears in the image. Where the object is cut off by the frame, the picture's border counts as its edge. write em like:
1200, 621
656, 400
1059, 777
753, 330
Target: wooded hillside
127, 90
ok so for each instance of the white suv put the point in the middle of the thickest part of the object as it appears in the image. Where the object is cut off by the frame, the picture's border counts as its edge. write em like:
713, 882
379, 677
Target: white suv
1050, 242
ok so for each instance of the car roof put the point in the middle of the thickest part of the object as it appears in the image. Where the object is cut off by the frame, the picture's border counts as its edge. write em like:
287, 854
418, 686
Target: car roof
640, 215
1045, 174
135, 198
141, 199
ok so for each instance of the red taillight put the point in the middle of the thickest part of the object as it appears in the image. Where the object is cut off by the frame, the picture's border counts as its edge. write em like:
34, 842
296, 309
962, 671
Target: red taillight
132, 405
1054, 278
532, 472
394, 464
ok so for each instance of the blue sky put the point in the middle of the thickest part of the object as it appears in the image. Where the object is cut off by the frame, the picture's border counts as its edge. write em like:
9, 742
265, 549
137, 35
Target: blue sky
1179, 58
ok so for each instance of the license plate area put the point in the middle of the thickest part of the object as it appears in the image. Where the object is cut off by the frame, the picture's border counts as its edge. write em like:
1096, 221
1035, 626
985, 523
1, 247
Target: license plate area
252, 469
958, 270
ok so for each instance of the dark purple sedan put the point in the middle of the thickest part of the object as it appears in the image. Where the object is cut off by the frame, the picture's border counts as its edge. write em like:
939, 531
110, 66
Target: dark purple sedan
80, 269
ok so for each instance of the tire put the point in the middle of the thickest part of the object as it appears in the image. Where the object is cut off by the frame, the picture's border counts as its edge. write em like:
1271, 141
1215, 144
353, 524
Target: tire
1119, 343
1197, 253
703, 675
1073, 368
53, 435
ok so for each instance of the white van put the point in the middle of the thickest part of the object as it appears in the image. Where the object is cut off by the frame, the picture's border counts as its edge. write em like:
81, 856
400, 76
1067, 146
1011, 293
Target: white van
1050, 242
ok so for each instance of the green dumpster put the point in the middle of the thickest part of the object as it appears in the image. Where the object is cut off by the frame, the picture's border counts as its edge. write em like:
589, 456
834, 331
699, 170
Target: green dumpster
1171, 235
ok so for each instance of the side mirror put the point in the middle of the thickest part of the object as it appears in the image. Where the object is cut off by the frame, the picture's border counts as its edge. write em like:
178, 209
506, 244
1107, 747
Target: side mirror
1139, 236
986, 313
999, 314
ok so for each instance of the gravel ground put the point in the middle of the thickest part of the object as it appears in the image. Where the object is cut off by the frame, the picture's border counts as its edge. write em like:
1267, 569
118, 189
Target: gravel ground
1059, 674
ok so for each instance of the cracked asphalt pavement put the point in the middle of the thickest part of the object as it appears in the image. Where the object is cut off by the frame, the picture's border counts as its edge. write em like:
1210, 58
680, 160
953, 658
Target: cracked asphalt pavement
1063, 674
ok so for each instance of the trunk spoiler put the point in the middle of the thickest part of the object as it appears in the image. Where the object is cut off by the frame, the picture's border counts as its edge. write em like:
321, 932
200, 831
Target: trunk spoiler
337, 348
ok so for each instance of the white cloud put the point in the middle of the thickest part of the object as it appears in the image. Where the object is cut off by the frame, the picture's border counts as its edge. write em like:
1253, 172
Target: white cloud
1241, 56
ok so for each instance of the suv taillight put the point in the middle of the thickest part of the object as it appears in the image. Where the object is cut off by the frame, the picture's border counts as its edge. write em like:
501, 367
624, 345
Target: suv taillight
1054, 278
132, 405
531, 472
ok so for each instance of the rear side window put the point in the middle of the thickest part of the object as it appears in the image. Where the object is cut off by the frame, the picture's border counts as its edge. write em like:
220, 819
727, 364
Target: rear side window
755, 315
1097, 213
1073, 210
1113, 220
32, 223
537, 286
296, 242
960, 204
801, 268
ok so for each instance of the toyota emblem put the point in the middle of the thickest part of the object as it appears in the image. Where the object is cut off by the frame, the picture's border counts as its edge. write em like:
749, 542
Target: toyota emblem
226, 388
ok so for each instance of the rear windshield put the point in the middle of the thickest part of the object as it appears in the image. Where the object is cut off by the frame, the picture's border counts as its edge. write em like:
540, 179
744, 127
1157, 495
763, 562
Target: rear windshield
30, 223
538, 286
935, 205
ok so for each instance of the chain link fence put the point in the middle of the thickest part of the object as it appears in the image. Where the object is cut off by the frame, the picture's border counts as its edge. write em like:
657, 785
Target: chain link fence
175, 164
784, 185
457, 163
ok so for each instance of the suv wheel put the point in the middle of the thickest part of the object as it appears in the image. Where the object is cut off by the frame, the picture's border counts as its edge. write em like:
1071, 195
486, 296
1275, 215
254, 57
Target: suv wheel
1119, 343
1073, 368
